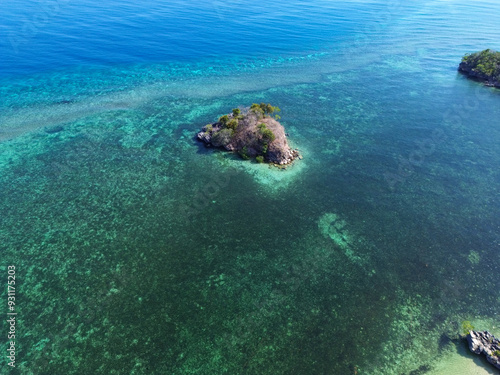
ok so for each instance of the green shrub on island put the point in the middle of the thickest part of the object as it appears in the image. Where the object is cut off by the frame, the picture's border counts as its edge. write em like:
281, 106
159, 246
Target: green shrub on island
224, 120
467, 327
236, 112
222, 137
269, 109
264, 109
496, 353
267, 135
259, 159
232, 124
244, 153
255, 108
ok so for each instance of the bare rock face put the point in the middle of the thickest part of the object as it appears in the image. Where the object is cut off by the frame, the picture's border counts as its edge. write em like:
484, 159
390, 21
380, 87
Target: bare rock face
251, 134
483, 342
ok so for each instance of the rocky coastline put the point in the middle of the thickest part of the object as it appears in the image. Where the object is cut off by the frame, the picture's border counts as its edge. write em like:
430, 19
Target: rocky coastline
483, 66
483, 342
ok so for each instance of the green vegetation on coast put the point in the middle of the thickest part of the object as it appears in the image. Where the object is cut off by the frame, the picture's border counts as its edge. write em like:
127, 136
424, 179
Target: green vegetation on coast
483, 65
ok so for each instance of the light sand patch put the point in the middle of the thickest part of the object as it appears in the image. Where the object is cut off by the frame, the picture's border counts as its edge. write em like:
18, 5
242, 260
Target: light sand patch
273, 178
462, 362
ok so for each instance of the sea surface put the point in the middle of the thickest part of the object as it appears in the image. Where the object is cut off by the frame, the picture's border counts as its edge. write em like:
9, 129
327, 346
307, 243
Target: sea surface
139, 251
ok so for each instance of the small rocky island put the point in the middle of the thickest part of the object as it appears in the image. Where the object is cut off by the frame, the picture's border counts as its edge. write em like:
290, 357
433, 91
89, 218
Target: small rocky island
483, 342
483, 66
252, 133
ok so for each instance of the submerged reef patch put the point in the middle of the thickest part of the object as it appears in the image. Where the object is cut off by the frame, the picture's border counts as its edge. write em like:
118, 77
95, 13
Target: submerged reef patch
332, 226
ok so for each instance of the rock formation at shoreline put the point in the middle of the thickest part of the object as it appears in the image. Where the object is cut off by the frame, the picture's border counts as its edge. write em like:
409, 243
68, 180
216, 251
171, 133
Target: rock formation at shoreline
252, 133
483, 342
484, 66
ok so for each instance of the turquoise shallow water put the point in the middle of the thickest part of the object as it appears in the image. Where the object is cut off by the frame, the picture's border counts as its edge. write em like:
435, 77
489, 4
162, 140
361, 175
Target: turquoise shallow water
138, 251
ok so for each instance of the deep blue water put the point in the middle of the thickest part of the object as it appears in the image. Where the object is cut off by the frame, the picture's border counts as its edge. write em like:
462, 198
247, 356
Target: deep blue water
140, 252
42, 35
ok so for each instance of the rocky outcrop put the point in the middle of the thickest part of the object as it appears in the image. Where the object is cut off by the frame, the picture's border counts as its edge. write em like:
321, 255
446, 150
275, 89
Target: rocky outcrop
483, 66
483, 342
251, 134
469, 70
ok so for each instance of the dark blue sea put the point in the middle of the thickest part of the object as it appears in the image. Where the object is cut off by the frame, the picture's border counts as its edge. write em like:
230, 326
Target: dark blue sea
139, 251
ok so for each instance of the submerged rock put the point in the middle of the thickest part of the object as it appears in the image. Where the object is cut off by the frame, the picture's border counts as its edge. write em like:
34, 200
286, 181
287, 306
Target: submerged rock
252, 133
483, 342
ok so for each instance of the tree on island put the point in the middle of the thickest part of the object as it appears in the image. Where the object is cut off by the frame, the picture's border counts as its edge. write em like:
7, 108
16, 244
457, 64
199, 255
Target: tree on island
264, 109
